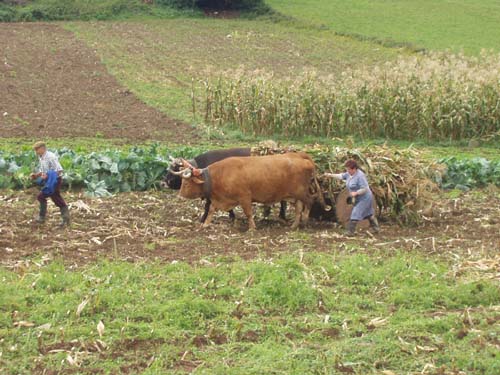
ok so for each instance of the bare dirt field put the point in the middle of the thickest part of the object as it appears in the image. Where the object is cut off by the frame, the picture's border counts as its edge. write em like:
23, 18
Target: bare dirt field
53, 85
161, 226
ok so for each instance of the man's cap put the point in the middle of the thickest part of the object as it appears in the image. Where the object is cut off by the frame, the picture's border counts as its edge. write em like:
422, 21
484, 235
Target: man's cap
38, 144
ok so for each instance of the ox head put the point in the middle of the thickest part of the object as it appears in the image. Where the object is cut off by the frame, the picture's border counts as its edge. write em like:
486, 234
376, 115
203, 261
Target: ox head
172, 180
191, 180
322, 210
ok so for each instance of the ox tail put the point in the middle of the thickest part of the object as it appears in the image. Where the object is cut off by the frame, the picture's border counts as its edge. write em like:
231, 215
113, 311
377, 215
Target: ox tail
318, 193
315, 187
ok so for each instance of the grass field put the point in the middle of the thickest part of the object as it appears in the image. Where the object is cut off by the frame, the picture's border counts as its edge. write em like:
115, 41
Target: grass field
295, 314
468, 25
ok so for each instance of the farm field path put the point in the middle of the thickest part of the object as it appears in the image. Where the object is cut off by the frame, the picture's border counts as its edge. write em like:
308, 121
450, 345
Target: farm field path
159, 226
53, 85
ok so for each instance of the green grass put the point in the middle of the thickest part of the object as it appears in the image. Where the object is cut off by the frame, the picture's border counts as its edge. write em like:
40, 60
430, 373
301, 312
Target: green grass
429, 151
281, 317
468, 25
157, 60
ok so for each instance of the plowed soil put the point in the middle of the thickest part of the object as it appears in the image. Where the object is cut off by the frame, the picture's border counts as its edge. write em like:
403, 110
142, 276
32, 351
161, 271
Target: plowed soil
52, 85
161, 226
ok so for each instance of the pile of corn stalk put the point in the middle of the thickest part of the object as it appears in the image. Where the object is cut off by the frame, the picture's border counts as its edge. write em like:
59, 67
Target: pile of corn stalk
403, 183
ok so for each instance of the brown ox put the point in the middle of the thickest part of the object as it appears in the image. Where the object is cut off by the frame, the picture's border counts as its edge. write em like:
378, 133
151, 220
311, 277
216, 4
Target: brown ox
242, 180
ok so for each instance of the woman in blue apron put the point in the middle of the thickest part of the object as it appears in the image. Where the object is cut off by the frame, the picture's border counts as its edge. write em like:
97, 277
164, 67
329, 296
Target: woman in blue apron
360, 193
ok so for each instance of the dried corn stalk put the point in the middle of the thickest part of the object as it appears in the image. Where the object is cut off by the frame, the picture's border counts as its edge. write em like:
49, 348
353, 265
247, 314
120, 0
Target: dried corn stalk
401, 181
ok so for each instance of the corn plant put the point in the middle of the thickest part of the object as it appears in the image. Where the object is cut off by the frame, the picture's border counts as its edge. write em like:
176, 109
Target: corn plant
433, 97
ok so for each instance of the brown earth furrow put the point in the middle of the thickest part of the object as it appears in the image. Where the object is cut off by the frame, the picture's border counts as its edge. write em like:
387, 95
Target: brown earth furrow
53, 85
159, 226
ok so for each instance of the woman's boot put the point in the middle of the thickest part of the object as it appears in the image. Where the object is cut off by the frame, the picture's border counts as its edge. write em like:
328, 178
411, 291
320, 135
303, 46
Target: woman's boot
374, 224
351, 228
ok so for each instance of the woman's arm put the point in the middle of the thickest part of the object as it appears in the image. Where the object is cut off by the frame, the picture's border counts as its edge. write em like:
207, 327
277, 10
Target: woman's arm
337, 176
363, 184
359, 192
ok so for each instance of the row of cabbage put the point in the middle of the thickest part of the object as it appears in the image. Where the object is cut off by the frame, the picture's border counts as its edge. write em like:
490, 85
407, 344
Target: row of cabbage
465, 174
99, 173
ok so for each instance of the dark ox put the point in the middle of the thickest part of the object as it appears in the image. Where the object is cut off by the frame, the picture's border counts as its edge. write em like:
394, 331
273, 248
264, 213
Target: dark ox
174, 181
240, 181
323, 210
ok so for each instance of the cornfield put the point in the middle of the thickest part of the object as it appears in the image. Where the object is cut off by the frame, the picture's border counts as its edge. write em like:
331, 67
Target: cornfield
433, 97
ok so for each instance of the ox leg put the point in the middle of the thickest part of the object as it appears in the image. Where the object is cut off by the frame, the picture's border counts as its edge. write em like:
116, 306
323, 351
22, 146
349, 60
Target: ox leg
305, 214
207, 207
299, 207
247, 209
267, 212
283, 210
210, 215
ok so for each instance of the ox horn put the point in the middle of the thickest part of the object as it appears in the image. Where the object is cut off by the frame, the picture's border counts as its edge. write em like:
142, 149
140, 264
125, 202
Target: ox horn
186, 164
175, 161
179, 173
187, 173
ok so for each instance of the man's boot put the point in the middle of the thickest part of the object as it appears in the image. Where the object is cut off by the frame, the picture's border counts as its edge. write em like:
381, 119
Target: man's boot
43, 213
374, 224
65, 219
351, 228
